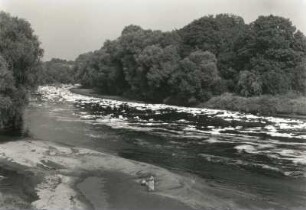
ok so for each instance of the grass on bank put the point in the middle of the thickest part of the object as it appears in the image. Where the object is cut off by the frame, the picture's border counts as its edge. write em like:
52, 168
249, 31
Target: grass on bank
288, 104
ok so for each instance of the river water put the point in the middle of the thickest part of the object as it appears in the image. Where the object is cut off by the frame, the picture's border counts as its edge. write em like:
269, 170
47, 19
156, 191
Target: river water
260, 156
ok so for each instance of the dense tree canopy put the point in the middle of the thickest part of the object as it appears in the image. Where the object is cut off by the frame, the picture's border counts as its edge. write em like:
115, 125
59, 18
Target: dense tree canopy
57, 71
195, 77
218, 34
207, 57
272, 49
19, 65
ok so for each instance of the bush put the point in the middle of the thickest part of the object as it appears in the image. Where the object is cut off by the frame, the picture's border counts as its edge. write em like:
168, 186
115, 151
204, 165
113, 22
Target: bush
266, 104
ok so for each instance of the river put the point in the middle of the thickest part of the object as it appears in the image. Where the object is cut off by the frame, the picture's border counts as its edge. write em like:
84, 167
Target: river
261, 159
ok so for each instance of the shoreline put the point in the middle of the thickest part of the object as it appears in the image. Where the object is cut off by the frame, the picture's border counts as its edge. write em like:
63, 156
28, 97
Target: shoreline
63, 181
60, 170
289, 105
218, 102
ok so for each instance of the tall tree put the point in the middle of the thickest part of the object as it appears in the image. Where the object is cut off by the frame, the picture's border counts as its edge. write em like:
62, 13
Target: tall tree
20, 57
219, 35
195, 78
157, 64
133, 40
272, 49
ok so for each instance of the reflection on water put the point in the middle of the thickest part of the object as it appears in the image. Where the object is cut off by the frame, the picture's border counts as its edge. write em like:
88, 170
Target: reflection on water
265, 156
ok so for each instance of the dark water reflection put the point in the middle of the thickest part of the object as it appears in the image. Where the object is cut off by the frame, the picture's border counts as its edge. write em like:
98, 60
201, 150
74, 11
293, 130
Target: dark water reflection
252, 162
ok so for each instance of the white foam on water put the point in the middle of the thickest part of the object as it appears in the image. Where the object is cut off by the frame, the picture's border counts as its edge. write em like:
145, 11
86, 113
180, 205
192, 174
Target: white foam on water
266, 146
213, 140
237, 162
274, 127
53, 93
93, 135
246, 148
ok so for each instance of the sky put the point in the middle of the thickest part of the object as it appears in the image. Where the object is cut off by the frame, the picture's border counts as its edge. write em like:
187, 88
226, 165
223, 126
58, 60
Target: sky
67, 28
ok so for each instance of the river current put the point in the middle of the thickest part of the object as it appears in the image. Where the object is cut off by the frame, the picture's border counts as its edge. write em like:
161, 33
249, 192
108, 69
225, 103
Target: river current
260, 156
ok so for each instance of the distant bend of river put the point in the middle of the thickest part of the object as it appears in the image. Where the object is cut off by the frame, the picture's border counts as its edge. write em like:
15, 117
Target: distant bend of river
264, 156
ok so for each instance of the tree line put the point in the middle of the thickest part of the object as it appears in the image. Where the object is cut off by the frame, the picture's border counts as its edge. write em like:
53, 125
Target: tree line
57, 70
207, 57
20, 55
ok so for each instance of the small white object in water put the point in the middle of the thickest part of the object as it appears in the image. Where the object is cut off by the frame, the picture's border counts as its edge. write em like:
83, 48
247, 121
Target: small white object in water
143, 182
52, 153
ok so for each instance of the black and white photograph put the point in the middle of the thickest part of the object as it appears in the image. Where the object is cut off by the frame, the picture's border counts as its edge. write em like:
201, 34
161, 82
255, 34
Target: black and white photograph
152, 104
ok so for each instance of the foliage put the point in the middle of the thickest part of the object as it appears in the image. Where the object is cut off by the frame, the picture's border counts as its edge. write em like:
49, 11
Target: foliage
299, 77
249, 84
288, 104
157, 64
19, 65
219, 35
20, 48
57, 71
208, 57
7, 89
272, 49
195, 76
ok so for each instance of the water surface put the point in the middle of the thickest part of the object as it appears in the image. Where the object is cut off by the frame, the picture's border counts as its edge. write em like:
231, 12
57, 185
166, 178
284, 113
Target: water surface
260, 156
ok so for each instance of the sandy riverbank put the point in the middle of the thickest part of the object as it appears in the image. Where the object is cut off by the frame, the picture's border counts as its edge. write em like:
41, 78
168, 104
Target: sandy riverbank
79, 178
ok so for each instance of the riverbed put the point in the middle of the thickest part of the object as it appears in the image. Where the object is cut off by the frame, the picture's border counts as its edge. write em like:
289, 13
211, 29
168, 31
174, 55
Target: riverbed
94, 148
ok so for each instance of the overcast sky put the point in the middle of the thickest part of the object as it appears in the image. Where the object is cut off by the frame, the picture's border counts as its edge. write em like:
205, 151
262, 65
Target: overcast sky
68, 28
